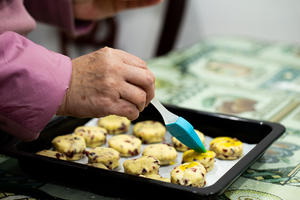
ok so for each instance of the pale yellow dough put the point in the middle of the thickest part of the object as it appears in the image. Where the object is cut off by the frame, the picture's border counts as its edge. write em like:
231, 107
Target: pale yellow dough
107, 156
126, 145
189, 174
52, 154
156, 177
207, 159
98, 165
73, 146
164, 153
94, 136
114, 124
144, 165
227, 148
149, 131
181, 147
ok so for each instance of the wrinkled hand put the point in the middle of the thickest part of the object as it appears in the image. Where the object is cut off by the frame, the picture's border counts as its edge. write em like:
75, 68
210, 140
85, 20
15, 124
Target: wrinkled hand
99, 9
108, 81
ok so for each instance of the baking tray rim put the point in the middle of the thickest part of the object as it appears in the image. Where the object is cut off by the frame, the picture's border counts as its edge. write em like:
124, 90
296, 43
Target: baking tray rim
216, 189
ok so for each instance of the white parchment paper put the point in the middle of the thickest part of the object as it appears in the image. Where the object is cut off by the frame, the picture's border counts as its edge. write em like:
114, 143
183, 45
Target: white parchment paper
220, 168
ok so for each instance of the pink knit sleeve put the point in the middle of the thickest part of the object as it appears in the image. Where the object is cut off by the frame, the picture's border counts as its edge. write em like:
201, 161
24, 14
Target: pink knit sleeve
33, 81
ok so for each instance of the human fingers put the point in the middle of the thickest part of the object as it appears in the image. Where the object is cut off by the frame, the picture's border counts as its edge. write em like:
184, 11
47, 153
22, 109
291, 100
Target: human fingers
131, 59
133, 94
125, 108
142, 78
101, 85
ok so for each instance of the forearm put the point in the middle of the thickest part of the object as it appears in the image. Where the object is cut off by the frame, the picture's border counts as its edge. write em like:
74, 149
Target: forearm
33, 82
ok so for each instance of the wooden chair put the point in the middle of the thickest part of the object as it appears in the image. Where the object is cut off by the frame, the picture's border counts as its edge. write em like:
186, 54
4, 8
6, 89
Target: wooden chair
172, 20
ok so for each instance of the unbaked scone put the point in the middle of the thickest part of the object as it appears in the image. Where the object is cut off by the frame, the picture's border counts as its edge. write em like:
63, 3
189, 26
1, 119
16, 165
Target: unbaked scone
144, 165
98, 165
189, 174
207, 159
164, 153
181, 147
107, 156
227, 148
156, 177
94, 136
149, 131
114, 124
52, 154
73, 146
126, 145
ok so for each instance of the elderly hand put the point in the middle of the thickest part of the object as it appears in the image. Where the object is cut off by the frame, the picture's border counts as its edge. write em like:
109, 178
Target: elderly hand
108, 81
99, 9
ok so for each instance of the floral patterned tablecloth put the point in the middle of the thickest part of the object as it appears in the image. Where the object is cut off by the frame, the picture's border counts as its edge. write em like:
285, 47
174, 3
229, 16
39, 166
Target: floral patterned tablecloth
239, 76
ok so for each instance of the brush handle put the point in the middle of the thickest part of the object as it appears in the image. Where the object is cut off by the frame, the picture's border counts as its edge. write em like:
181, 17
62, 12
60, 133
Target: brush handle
166, 115
179, 128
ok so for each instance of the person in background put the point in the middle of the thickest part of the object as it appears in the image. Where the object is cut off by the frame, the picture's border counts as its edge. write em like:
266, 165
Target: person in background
36, 83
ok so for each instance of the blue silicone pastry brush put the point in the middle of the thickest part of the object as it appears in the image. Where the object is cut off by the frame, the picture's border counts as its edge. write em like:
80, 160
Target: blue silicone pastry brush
179, 128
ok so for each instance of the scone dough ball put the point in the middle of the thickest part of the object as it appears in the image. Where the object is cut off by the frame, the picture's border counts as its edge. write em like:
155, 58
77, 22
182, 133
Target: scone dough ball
181, 147
98, 165
107, 156
52, 154
149, 131
227, 148
94, 136
156, 177
73, 146
164, 153
144, 165
126, 145
114, 124
189, 174
207, 159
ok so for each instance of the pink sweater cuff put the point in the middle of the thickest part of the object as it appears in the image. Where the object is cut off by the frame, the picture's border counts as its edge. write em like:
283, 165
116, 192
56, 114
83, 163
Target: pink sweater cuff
33, 82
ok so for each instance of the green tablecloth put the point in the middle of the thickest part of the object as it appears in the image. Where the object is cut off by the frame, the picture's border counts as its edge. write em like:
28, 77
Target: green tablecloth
244, 77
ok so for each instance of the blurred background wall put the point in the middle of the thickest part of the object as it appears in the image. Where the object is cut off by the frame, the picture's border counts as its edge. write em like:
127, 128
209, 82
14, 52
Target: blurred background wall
271, 20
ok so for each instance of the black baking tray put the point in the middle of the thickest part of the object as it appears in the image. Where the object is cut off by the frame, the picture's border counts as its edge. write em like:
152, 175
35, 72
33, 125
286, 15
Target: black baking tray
119, 184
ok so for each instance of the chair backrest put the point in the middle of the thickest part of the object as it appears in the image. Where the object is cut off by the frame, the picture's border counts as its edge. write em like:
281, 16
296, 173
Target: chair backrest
171, 25
173, 15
